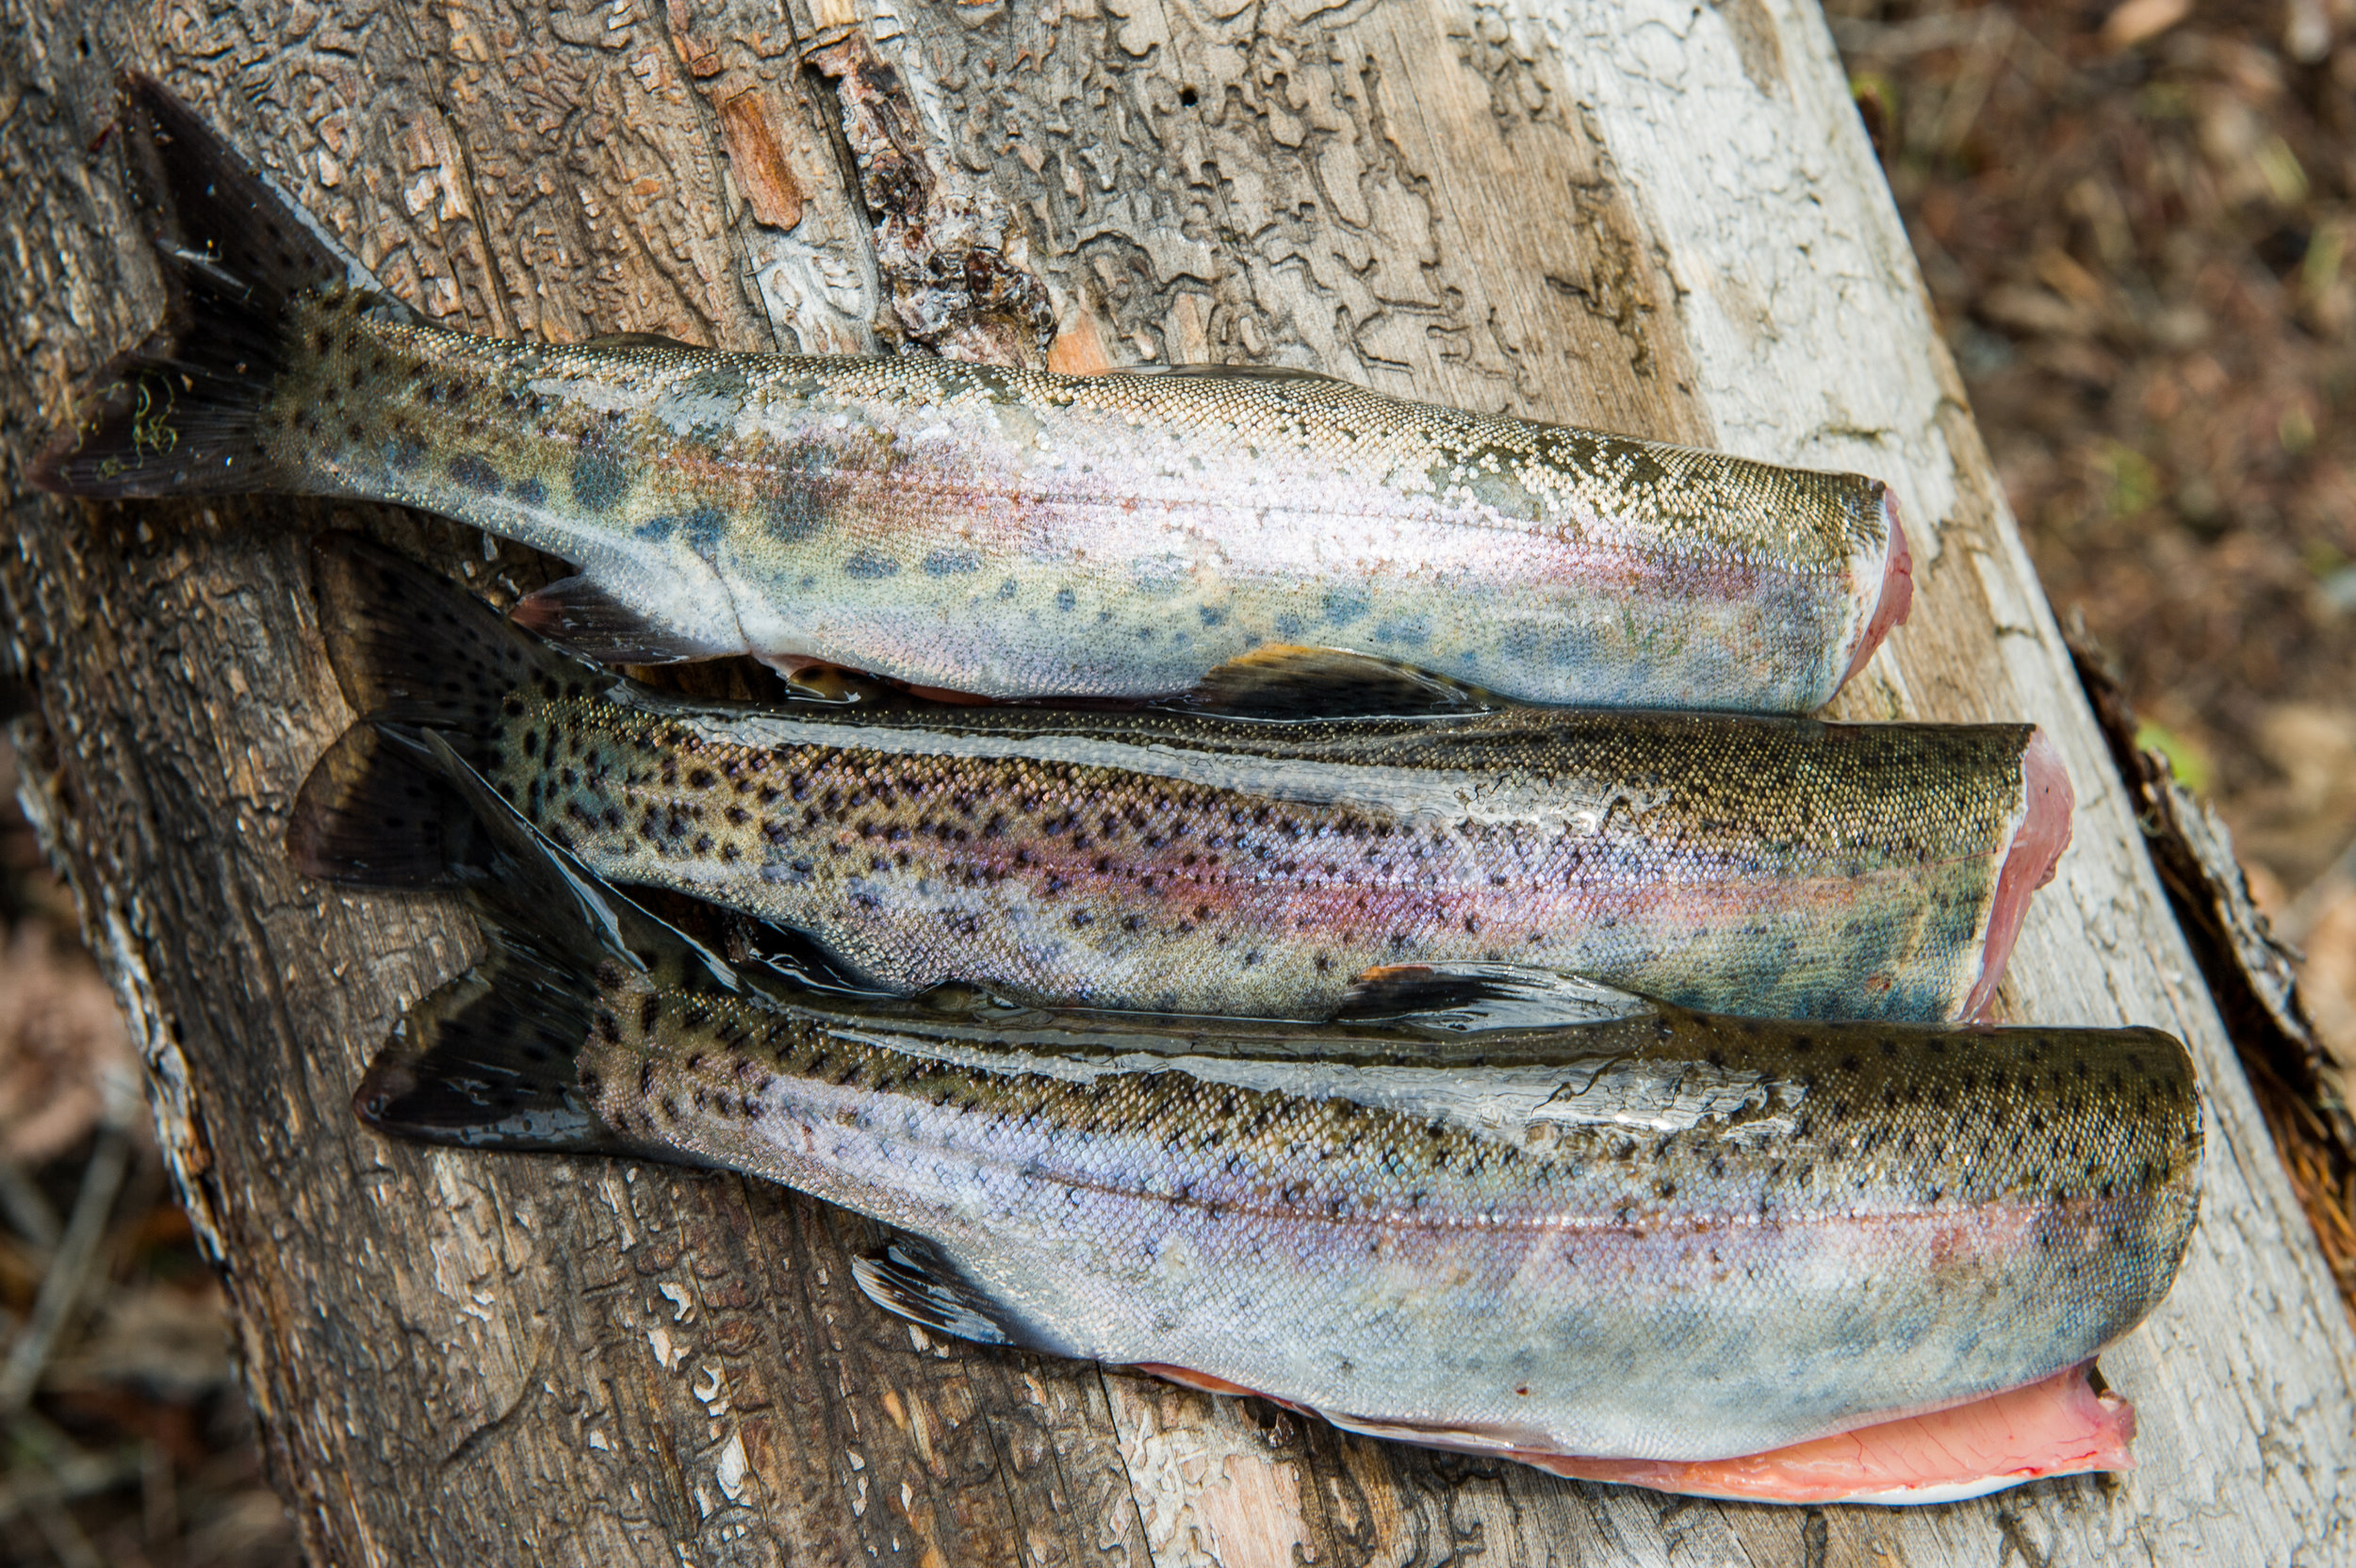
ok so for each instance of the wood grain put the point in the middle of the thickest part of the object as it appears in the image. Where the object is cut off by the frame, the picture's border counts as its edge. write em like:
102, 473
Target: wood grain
1651, 217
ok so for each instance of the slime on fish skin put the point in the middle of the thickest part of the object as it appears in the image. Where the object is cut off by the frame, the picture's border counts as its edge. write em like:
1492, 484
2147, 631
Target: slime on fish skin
1631, 1247
971, 528
1200, 861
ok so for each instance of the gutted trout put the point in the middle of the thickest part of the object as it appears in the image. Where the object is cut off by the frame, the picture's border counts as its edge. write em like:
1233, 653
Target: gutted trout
1199, 862
1653, 1248
988, 531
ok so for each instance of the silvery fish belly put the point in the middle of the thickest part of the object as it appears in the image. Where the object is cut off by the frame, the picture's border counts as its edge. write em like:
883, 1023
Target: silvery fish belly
1201, 862
996, 532
1655, 1235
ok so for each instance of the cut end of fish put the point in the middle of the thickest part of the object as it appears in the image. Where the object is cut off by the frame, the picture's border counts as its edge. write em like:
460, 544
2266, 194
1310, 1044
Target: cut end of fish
2056, 1426
1897, 600
2048, 802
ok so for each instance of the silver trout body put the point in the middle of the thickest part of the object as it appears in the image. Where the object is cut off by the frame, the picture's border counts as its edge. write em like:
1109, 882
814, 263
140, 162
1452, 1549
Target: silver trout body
1660, 1236
1005, 532
1194, 863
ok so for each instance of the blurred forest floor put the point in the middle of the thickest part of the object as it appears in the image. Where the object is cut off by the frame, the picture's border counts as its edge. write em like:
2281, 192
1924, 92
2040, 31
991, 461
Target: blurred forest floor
2137, 223
2138, 228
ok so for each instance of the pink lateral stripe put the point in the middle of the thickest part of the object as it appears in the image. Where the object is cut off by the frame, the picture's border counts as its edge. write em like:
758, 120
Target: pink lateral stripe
2036, 850
1897, 600
2058, 1426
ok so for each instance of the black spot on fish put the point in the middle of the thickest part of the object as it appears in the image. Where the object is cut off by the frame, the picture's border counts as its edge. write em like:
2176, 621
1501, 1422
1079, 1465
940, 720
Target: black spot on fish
868, 565
475, 474
949, 563
1066, 599
1290, 626
599, 479
702, 529
1007, 589
402, 452
1212, 615
531, 492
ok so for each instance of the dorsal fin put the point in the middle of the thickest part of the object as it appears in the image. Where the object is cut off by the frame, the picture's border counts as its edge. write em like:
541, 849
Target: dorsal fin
1236, 372
1292, 683
222, 213
1473, 997
639, 340
916, 1280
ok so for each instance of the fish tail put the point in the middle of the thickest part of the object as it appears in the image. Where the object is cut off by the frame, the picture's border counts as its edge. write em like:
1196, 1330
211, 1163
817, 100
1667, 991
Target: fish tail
189, 411
491, 1060
372, 815
413, 652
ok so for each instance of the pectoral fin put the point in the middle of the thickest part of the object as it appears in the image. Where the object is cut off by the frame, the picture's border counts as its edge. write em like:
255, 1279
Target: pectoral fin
1292, 683
1235, 372
640, 340
584, 619
916, 1280
1470, 998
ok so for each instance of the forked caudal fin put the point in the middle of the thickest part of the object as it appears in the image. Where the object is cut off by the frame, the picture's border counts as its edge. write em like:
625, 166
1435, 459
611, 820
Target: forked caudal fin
414, 650
374, 814
185, 411
491, 1059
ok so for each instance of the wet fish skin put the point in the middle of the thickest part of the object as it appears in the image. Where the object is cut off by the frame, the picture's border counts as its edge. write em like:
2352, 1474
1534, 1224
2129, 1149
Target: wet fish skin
1311, 1226
1666, 1236
1189, 862
999, 532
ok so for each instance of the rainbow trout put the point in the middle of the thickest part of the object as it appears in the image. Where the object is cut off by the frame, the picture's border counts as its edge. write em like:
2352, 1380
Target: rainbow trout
1003, 533
1657, 1236
1195, 861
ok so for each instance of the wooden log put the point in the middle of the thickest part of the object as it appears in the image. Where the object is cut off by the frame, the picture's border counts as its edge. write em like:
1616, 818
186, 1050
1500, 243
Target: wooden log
1653, 216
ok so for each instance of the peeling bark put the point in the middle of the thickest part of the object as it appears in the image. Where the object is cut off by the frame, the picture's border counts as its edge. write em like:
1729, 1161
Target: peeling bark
1646, 216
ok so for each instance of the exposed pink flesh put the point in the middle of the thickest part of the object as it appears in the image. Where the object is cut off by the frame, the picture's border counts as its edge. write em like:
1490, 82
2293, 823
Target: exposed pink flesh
2056, 1426
1897, 598
2059, 1426
2037, 849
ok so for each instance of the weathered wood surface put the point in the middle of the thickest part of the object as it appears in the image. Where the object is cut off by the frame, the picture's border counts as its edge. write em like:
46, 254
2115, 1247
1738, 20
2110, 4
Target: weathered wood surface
1656, 217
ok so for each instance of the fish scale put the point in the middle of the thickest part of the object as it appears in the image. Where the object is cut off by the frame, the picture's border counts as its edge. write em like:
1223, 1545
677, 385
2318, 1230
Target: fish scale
1659, 1236
980, 528
1123, 886
1010, 532
1201, 862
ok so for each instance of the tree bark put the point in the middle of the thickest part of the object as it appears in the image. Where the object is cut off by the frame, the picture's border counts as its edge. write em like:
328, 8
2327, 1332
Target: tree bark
1650, 216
